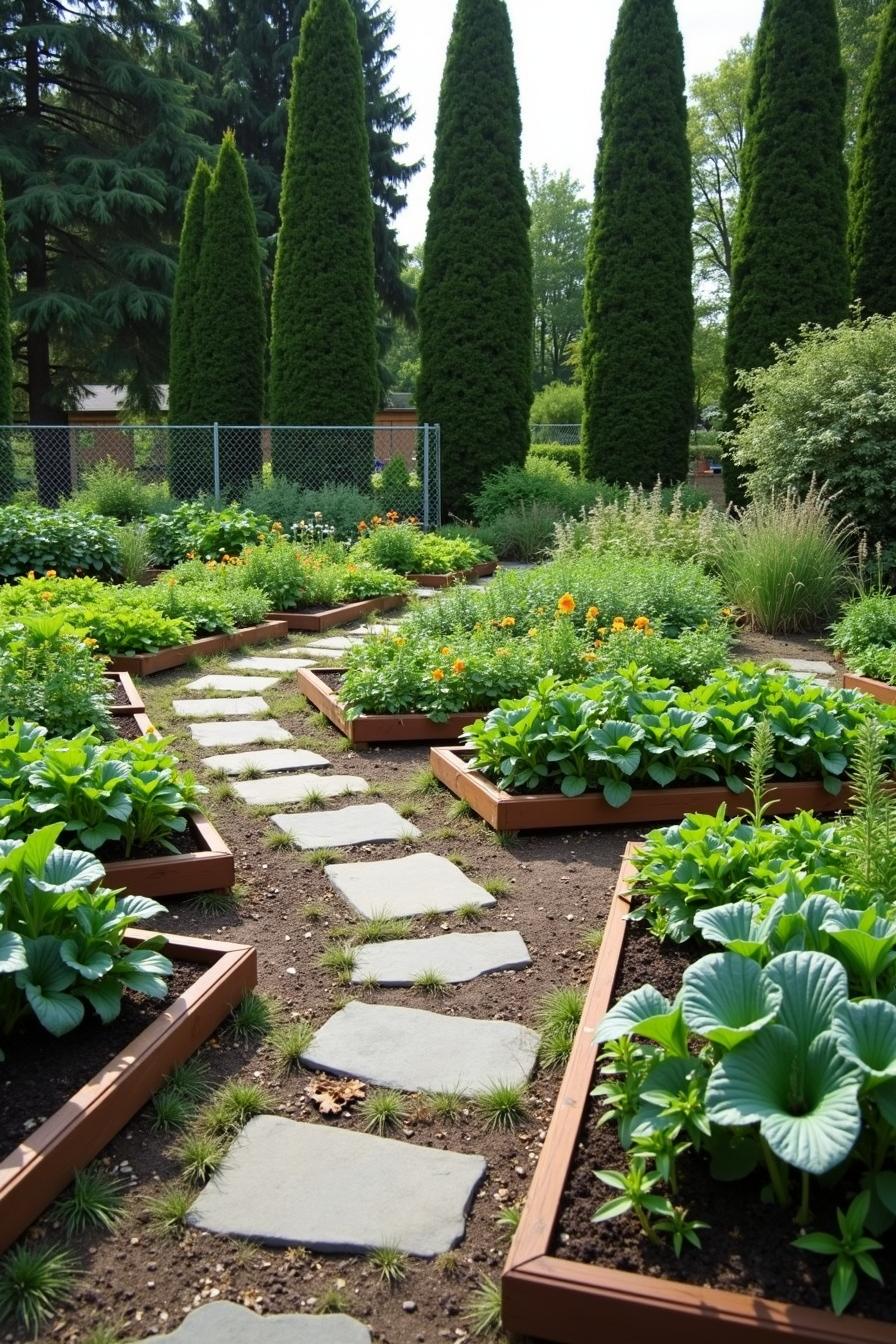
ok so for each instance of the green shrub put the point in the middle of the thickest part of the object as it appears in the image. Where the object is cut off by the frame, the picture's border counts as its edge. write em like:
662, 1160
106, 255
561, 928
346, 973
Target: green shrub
340, 507
648, 522
687, 660
218, 605
473, 537
867, 622
49, 676
567, 454
785, 564
120, 620
540, 481
397, 491
826, 407
523, 533
59, 927
558, 404
35, 539
295, 577
115, 492
194, 529
402, 547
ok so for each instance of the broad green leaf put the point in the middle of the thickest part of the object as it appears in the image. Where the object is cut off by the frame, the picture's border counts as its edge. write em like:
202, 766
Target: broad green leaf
813, 1128
727, 998
645, 1012
69, 870
56, 1011
738, 926
572, 785
92, 965
44, 968
12, 953
866, 1034
813, 985
617, 793
104, 997
39, 846
139, 907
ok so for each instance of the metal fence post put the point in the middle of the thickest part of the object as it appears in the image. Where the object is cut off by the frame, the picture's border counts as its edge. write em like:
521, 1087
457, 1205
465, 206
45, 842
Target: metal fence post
426, 477
216, 463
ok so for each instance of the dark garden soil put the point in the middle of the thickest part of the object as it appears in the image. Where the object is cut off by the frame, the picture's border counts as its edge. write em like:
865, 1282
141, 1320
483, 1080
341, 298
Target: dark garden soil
747, 1246
119, 695
139, 1280
184, 843
755, 647
125, 725
41, 1072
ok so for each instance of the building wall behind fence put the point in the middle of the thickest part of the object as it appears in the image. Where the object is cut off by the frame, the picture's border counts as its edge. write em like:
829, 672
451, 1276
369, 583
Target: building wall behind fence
219, 461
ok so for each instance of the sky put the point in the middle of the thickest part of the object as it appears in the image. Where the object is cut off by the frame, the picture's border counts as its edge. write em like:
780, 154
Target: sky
560, 48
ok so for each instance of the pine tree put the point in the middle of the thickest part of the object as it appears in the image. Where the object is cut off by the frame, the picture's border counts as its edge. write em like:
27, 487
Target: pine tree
248, 47
99, 142
789, 264
323, 313
872, 191
7, 472
475, 304
639, 308
185, 473
229, 325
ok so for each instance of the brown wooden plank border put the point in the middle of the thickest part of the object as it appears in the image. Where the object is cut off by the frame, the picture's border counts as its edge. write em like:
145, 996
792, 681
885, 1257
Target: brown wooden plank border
208, 869
544, 1297
318, 619
147, 664
455, 576
881, 690
134, 703
545, 811
368, 728
43, 1164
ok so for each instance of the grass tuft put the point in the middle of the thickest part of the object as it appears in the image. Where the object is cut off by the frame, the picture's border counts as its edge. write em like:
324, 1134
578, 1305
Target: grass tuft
232, 1107
170, 1110
190, 1079
423, 781
313, 911
497, 886
94, 1200
502, 1106
445, 1105
382, 1110
591, 939
340, 958
558, 1017
223, 902
469, 912
167, 1210
34, 1282
459, 808
509, 1219
391, 1264
200, 1155
431, 982
331, 1302
253, 1018
276, 839
319, 858
288, 1043
483, 1314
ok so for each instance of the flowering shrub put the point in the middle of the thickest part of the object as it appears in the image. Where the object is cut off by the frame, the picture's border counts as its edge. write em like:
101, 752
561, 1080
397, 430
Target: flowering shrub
68, 543
48, 674
631, 729
294, 577
194, 530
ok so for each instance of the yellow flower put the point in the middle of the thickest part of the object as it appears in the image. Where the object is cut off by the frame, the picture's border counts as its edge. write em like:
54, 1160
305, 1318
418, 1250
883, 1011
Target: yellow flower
46, 596
602, 630
261, 536
458, 665
592, 613
508, 621
589, 657
31, 574
438, 674
172, 582
618, 624
642, 622
91, 643
502, 653
444, 650
566, 604
533, 633
51, 574
399, 641
276, 527
726, 611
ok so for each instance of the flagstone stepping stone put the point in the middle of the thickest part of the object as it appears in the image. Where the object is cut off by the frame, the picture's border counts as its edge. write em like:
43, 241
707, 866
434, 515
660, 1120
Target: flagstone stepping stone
237, 705
218, 682
456, 957
230, 1323
339, 642
317, 652
815, 667
295, 788
417, 1051
285, 1183
262, 664
411, 885
275, 761
425, 592
363, 825
238, 734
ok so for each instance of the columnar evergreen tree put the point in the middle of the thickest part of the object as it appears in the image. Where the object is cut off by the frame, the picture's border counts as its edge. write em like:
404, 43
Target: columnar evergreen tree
789, 264
182, 463
7, 475
639, 309
98, 138
475, 304
872, 192
323, 314
229, 321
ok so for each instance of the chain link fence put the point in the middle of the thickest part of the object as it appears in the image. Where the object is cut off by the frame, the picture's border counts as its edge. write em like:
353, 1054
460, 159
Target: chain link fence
221, 463
571, 434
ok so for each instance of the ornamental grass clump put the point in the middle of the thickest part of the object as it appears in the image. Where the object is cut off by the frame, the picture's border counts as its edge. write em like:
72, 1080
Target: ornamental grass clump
786, 563
648, 523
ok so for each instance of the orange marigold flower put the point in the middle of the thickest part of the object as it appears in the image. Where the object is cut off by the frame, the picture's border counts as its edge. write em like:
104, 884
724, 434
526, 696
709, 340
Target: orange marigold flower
508, 621
191, 555
618, 623
51, 574
445, 650
642, 622
46, 597
438, 674
362, 526
458, 665
589, 657
592, 613
376, 520
566, 604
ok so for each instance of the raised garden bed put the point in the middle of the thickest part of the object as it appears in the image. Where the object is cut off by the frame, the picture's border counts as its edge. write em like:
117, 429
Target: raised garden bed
320, 685
318, 619
881, 690
146, 664
207, 868
456, 576
548, 811
128, 699
33, 1173
553, 1298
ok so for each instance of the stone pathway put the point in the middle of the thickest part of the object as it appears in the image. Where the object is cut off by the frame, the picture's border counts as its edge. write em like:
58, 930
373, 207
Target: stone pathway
325, 1188
230, 1323
285, 1183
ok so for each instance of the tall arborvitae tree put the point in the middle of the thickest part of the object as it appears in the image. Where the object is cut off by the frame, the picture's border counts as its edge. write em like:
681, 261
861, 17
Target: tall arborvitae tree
182, 370
639, 308
323, 314
248, 47
229, 321
872, 193
789, 264
7, 474
98, 139
475, 305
